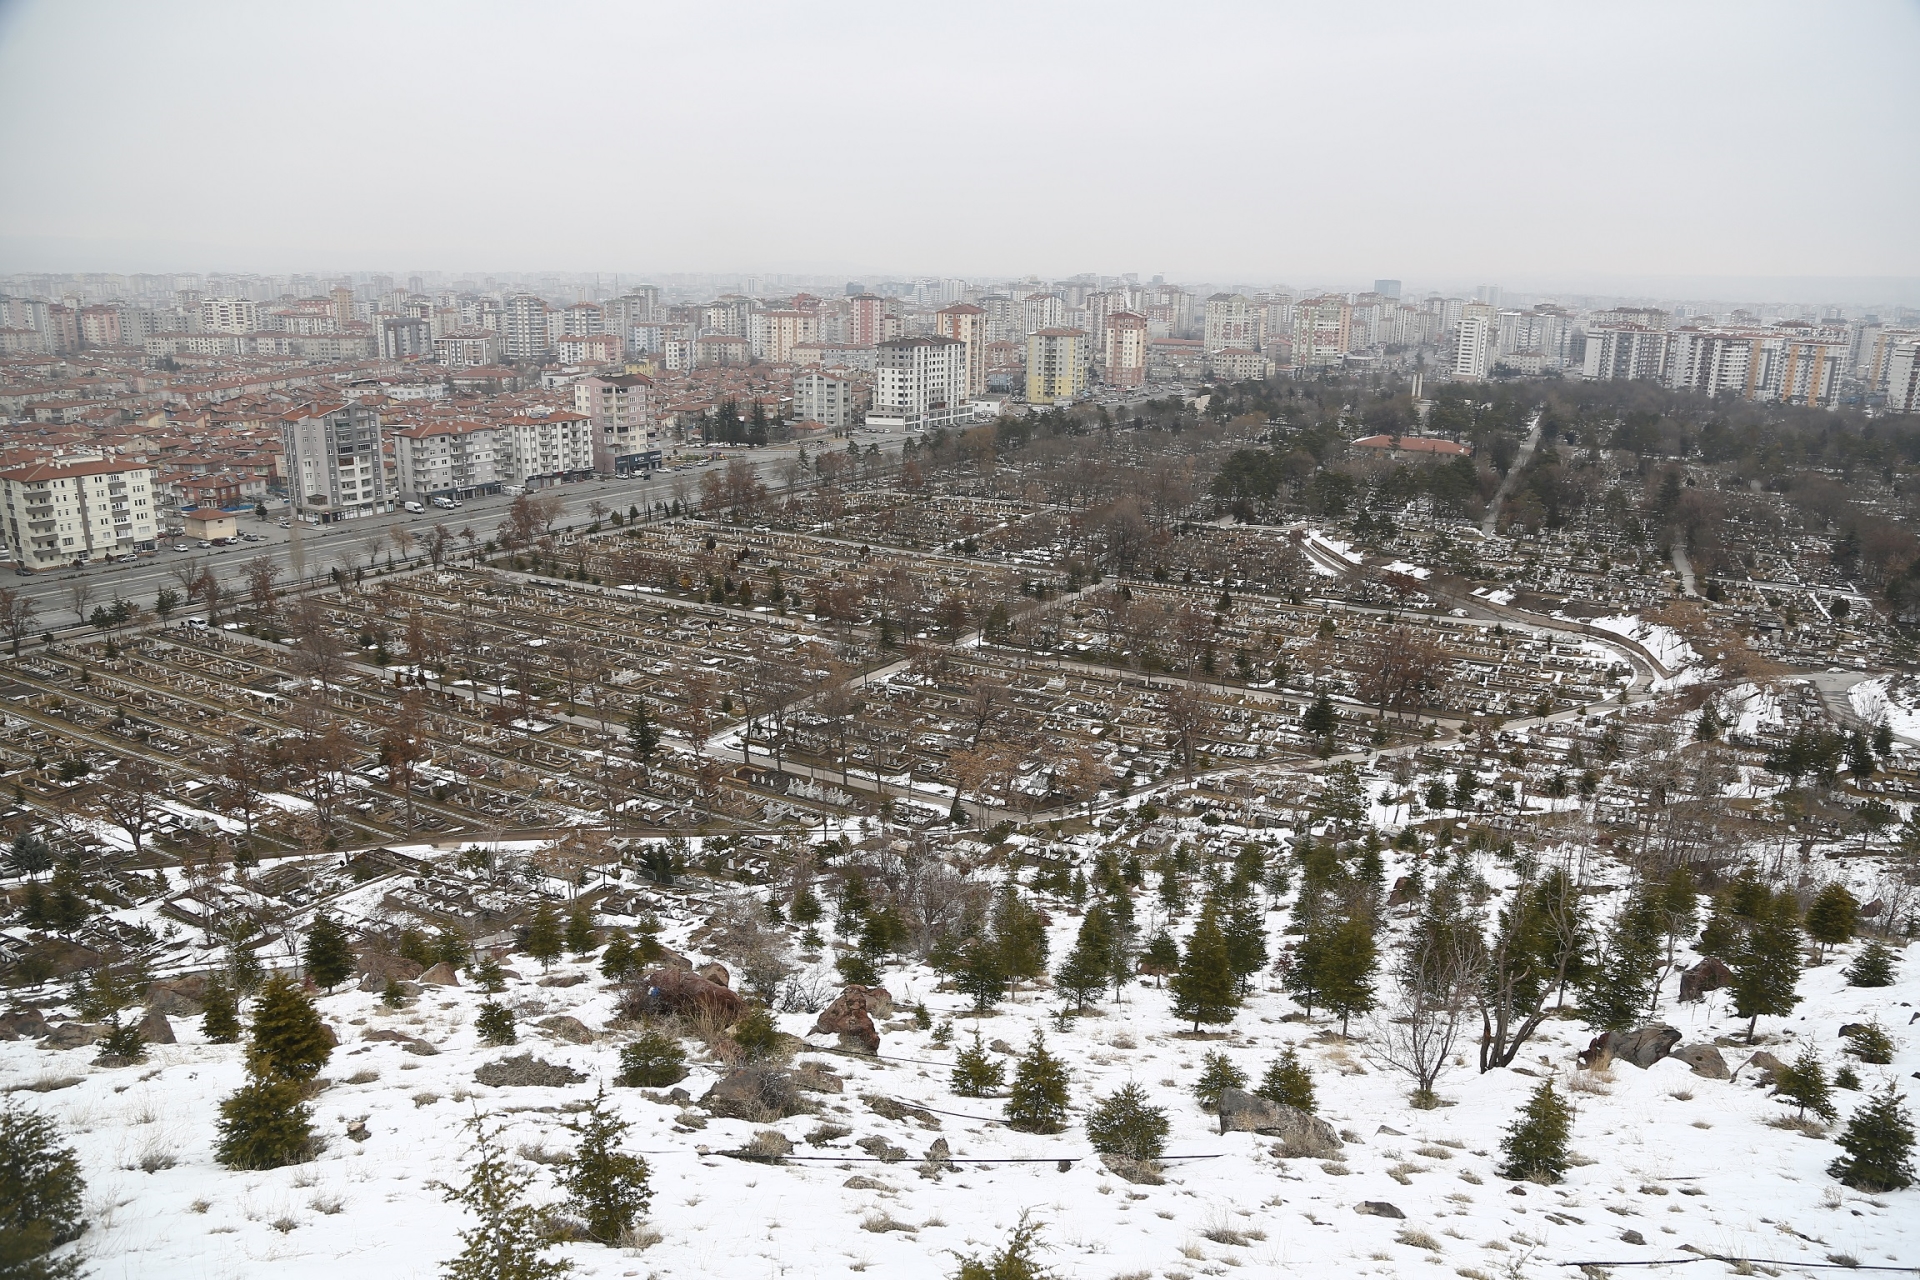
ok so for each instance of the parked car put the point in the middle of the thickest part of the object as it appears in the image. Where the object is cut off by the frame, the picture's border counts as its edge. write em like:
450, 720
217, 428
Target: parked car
181, 546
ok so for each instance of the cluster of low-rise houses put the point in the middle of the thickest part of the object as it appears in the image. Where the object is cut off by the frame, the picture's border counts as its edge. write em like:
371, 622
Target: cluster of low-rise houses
347, 395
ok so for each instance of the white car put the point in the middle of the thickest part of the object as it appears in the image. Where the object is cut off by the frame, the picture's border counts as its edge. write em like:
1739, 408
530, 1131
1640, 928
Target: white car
181, 546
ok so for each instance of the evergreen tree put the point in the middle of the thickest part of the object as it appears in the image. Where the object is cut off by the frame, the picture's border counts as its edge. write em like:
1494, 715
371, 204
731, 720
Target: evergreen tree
1320, 719
1015, 1261
1873, 967
653, 1061
1217, 1074
1803, 1082
1832, 919
265, 1124
1346, 969
220, 1014
1203, 989
1870, 1043
452, 949
1536, 1144
1087, 969
288, 1038
41, 1195
757, 1034
29, 855
393, 995
981, 974
1288, 1082
544, 938
579, 935
489, 976
1678, 906
329, 956
1161, 957
1879, 1145
606, 1187
1767, 968
1620, 988
617, 961
643, 739
1037, 1102
1246, 934
975, 1075
1126, 1125
494, 1024
511, 1239
1021, 933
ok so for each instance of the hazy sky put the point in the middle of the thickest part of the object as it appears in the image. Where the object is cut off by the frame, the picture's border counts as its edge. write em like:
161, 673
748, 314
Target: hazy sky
1536, 143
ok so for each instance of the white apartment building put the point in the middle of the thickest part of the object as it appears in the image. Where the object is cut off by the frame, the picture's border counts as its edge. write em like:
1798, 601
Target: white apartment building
1124, 357
823, 398
1322, 331
772, 335
1473, 348
336, 468
1231, 321
229, 315
621, 410
525, 328
1620, 352
446, 459
968, 323
465, 348
57, 515
1903, 377
920, 383
549, 449
1043, 311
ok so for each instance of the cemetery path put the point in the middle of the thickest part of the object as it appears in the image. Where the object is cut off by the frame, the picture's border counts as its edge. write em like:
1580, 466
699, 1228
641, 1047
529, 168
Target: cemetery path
1491, 522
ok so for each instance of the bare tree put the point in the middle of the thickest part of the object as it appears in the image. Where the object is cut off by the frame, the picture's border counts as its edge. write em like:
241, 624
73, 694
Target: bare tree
437, 542
317, 757
403, 747
261, 571
246, 769
17, 616
79, 596
1189, 719
318, 653
128, 796
1434, 988
840, 704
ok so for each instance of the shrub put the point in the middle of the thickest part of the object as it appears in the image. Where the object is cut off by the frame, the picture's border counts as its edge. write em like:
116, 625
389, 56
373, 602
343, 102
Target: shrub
494, 1022
757, 1034
123, 1045
1125, 1125
264, 1125
1536, 1145
1803, 1082
1037, 1102
490, 977
1846, 1077
1014, 1261
1288, 1082
512, 1237
975, 1075
605, 1186
1873, 967
288, 1037
329, 956
654, 1061
1879, 1145
220, 1014
1218, 1074
40, 1196
857, 969
1871, 1044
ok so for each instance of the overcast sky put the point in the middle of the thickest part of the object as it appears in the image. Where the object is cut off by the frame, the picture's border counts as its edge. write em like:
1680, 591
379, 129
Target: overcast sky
1535, 144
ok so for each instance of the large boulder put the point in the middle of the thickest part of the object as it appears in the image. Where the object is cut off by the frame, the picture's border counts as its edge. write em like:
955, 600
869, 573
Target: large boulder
1702, 1060
759, 1094
380, 968
565, 1027
1301, 1134
1710, 974
850, 1018
675, 990
441, 975
25, 1023
1642, 1046
716, 973
1765, 1067
155, 1029
74, 1035
179, 997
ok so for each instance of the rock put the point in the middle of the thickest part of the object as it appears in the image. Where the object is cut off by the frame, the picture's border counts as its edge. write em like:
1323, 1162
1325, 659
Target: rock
1853, 1028
894, 1109
26, 1023
1873, 909
1390, 1131
563, 1027
1765, 1066
759, 1094
859, 1183
939, 1160
1300, 1134
179, 997
675, 990
1703, 1060
879, 1002
1632, 1237
847, 1017
816, 1078
155, 1029
882, 1150
524, 1070
767, 1146
441, 975
399, 968
1642, 1047
1402, 892
1001, 1046
1378, 1209
1145, 1173
1517, 1191
564, 980
1710, 974
357, 1131
74, 1035
717, 974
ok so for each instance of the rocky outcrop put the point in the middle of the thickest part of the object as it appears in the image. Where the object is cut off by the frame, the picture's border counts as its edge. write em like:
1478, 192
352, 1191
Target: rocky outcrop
26, 1023
1702, 1060
1301, 1134
563, 1027
1710, 974
1641, 1047
74, 1035
155, 1029
759, 1094
673, 990
179, 997
441, 975
717, 974
850, 1018
1765, 1067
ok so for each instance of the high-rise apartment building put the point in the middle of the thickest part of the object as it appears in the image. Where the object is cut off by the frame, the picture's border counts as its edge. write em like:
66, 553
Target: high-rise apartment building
1322, 329
1473, 347
1625, 351
229, 315
1057, 361
920, 383
524, 325
866, 320
1125, 349
1231, 321
1903, 377
968, 324
772, 335
56, 515
1043, 311
824, 398
620, 409
336, 468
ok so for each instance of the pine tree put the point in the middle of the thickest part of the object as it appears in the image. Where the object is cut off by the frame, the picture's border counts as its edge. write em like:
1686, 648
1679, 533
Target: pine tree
1015, 1260
1037, 1102
220, 1014
1879, 1145
1022, 935
1873, 967
494, 1024
1346, 969
981, 974
1536, 1144
543, 935
1870, 1043
1619, 989
489, 976
329, 956
579, 935
1085, 972
511, 1239
265, 1124
288, 1039
1833, 918
606, 1187
643, 739
1126, 1125
1217, 1075
1803, 1082
1161, 957
757, 1034
1246, 935
393, 995
1288, 1082
617, 961
41, 1194
654, 1061
975, 1075
1768, 967
1203, 989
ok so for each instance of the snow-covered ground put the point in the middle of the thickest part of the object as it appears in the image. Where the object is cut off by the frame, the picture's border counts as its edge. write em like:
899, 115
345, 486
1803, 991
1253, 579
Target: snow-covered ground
1895, 699
1685, 1162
